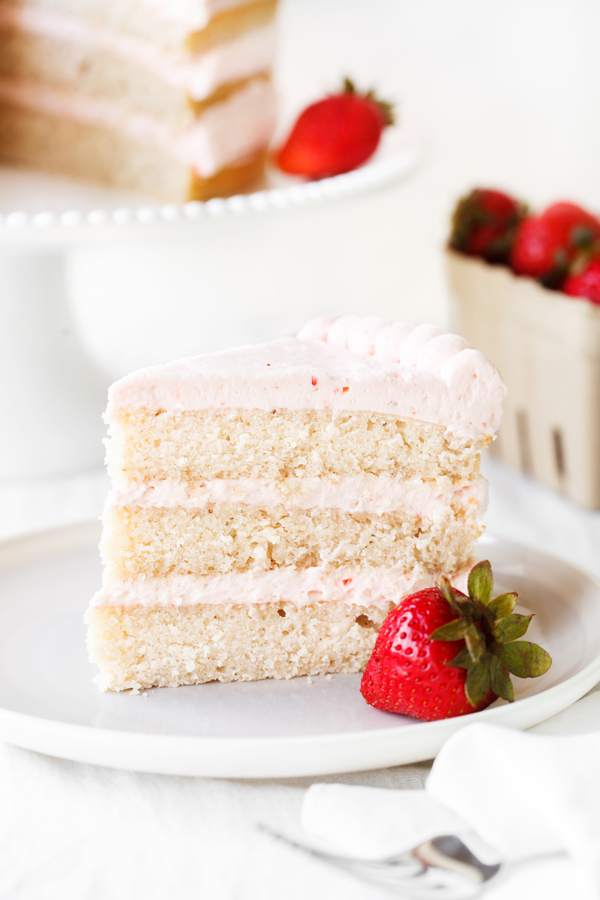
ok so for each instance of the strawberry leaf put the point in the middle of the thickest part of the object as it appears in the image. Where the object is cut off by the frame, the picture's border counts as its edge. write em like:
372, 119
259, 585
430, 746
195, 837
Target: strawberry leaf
511, 627
385, 108
475, 643
462, 660
481, 582
503, 605
524, 659
451, 631
464, 606
500, 680
468, 608
445, 589
582, 236
478, 681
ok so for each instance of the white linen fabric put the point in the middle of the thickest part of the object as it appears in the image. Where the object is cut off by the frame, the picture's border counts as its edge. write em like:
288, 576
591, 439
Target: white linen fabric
532, 797
70, 831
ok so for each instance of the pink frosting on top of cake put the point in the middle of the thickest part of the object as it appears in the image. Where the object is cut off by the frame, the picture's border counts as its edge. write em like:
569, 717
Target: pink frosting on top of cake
366, 493
351, 363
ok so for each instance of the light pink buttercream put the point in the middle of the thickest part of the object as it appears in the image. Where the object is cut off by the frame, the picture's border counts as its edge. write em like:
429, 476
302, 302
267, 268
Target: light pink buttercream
224, 134
352, 363
313, 585
367, 493
199, 74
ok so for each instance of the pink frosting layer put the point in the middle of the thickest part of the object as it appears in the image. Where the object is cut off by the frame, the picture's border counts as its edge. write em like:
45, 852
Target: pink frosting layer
354, 586
372, 494
199, 74
352, 363
224, 134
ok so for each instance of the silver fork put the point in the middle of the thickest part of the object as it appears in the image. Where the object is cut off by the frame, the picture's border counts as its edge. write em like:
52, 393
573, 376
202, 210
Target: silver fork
440, 869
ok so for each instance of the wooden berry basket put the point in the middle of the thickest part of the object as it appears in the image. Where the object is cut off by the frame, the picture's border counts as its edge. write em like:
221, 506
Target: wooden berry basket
547, 347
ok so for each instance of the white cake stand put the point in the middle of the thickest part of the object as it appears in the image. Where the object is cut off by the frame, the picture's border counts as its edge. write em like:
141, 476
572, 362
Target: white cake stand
52, 390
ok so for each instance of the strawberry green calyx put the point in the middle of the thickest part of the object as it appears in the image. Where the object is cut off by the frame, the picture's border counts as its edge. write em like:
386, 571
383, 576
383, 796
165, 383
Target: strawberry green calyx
491, 632
484, 224
584, 256
385, 108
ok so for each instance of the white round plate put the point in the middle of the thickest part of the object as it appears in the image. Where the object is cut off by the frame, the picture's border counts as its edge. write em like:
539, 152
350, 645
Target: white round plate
251, 730
40, 207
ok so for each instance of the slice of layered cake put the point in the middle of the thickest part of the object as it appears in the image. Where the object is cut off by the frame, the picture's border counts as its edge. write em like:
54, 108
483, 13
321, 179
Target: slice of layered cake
272, 503
171, 98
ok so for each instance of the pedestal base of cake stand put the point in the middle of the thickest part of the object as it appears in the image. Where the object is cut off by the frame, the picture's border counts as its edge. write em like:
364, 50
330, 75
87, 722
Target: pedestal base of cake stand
52, 395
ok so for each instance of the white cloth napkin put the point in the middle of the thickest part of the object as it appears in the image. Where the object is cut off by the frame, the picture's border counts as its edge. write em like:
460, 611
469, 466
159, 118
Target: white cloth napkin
525, 795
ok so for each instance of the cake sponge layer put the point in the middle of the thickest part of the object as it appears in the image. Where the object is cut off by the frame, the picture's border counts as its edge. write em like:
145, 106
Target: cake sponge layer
192, 445
149, 542
96, 153
139, 648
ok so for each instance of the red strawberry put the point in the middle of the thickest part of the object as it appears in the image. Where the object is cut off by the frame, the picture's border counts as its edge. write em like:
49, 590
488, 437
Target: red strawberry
545, 245
336, 134
539, 251
484, 224
431, 664
578, 227
585, 283
408, 673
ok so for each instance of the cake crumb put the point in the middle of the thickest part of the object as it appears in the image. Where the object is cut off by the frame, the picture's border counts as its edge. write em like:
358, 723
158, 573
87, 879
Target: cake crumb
309, 679
329, 677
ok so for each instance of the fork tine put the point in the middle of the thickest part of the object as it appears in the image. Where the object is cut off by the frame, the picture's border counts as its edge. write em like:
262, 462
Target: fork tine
406, 873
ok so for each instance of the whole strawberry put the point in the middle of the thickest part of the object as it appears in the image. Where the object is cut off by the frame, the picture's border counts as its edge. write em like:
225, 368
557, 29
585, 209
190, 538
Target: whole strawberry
579, 228
440, 654
545, 245
484, 224
585, 282
336, 134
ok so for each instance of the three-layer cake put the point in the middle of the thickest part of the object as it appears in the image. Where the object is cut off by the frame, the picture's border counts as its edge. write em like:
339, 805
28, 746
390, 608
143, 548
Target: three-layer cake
272, 503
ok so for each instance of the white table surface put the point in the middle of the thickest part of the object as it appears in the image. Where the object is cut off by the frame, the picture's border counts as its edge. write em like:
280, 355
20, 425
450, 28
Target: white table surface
510, 93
